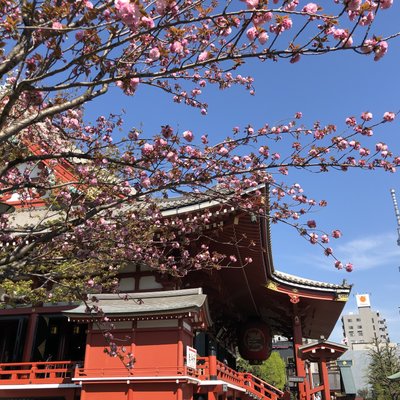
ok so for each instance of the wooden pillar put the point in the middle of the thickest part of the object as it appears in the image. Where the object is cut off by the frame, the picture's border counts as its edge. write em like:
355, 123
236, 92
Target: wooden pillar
130, 392
179, 394
30, 336
83, 394
212, 362
303, 387
324, 376
88, 345
212, 396
180, 348
310, 377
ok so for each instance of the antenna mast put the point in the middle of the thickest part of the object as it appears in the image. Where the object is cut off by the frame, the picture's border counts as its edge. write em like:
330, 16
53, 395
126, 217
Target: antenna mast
397, 212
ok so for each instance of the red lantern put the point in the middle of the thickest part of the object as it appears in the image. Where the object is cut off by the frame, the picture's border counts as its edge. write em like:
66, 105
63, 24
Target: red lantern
255, 341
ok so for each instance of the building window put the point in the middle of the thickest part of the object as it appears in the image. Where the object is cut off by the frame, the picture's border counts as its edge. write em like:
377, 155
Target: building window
351, 333
351, 327
358, 319
359, 327
349, 320
359, 333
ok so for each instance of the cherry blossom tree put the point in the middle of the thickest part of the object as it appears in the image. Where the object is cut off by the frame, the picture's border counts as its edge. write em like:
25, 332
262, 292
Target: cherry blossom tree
101, 191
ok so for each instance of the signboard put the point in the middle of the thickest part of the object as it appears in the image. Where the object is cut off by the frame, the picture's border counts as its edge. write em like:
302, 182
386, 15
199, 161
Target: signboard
363, 300
344, 363
296, 379
191, 357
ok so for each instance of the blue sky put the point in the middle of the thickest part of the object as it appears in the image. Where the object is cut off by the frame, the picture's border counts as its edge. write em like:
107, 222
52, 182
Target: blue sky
327, 88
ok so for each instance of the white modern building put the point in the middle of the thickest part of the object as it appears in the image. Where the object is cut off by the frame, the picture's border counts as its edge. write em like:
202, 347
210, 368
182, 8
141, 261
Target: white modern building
365, 326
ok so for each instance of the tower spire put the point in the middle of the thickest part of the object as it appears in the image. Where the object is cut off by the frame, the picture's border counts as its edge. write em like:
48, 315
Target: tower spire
397, 212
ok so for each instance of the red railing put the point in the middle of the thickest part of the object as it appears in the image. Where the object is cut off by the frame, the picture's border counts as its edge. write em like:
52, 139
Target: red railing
63, 371
249, 382
259, 387
36, 372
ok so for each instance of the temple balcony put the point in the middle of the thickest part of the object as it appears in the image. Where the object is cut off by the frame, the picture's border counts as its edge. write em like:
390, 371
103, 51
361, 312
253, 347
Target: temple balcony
68, 373
209, 373
28, 373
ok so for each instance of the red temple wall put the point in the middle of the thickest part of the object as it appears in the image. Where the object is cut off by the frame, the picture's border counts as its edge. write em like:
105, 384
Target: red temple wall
152, 347
136, 391
67, 394
96, 358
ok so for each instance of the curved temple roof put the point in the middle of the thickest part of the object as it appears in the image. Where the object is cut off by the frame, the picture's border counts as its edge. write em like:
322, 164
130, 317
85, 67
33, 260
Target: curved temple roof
172, 303
257, 289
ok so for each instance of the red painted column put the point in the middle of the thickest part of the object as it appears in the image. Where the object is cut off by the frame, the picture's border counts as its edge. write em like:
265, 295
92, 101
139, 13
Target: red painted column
310, 377
130, 393
30, 336
212, 396
180, 348
326, 392
83, 394
179, 394
212, 363
300, 365
88, 346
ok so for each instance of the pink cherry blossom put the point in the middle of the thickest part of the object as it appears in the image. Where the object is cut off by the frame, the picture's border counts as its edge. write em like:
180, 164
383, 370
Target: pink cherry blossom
263, 150
310, 8
57, 25
353, 5
148, 22
311, 224
298, 115
291, 5
251, 3
147, 149
263, 37
154, 53
188, 135
389, 116
161, 6
79, 35
341, 34
276, 156
338, 265
349, 267
336, 234
176, 47
203, 56
366, 116
223, 151
252, 33
313, 238
380, 50
325, 238
384, 4
90, 283
128, 12
287, 23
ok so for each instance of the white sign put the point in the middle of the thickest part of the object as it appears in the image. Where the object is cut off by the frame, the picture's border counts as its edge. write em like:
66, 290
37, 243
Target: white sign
191, 357
363, 300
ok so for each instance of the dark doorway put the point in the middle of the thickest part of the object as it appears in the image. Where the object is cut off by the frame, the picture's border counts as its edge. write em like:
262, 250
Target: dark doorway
12, 337
56, 339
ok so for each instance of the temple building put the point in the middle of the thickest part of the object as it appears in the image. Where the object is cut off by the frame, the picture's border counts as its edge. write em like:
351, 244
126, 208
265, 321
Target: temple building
181, 334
